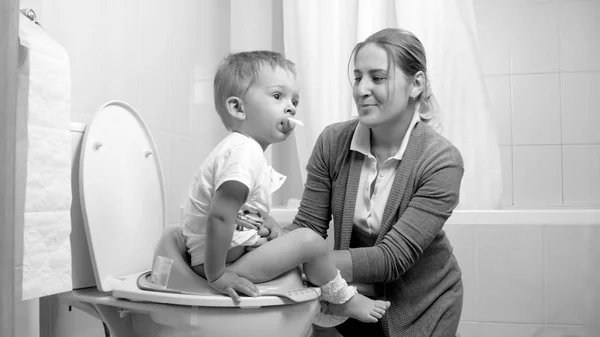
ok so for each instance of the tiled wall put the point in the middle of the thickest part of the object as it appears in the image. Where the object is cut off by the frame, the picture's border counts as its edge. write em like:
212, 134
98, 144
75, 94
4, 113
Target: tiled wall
541, 61
524, 280
157, 57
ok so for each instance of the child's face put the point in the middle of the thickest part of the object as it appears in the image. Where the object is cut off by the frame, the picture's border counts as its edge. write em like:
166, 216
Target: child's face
269, 101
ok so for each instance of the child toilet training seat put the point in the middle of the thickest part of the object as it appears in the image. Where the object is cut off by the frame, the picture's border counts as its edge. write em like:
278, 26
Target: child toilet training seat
123, 206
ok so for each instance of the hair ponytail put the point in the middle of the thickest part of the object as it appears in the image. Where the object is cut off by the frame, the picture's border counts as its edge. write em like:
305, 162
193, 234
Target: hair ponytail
428, 108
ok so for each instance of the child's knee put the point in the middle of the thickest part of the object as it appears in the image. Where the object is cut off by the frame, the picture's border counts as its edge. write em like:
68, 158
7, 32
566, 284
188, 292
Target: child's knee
309, 239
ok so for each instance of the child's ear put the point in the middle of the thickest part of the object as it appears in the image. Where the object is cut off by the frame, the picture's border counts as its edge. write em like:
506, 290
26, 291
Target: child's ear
235, 108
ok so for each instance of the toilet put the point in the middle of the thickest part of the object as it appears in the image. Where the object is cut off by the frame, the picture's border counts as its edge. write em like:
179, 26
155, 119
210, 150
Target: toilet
118, 215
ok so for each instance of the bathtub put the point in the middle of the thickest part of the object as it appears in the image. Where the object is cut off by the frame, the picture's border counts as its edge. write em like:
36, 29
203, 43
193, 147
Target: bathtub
526, 273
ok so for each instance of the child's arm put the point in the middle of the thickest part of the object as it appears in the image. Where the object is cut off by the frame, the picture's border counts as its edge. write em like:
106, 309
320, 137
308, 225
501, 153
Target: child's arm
228, 200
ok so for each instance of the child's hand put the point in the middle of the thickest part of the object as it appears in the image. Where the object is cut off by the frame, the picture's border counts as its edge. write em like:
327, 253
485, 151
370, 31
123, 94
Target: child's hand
230, 283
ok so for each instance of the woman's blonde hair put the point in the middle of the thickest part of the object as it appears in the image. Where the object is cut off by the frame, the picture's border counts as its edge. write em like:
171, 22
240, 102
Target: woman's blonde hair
408, 53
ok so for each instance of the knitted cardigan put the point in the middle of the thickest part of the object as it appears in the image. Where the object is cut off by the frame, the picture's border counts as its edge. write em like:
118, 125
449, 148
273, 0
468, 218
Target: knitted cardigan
412, 261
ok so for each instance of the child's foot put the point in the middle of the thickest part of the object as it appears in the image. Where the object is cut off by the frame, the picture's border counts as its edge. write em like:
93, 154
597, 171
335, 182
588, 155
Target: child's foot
361, 308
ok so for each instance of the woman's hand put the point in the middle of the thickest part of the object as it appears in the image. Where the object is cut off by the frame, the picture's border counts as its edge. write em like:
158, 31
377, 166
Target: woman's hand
231, 283
269, 230
273, 227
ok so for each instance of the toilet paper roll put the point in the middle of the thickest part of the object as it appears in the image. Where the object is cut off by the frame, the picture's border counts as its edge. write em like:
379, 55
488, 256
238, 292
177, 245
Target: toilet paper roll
44, 162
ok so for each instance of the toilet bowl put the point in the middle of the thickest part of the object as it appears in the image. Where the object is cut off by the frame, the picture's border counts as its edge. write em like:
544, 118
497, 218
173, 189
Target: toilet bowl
117, 221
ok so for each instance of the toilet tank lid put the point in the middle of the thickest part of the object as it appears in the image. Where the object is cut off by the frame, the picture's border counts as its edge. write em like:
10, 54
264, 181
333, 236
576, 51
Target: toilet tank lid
122, 193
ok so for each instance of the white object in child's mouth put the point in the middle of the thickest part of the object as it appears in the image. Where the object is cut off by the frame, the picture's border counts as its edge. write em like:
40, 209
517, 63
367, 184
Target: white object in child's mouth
296, 121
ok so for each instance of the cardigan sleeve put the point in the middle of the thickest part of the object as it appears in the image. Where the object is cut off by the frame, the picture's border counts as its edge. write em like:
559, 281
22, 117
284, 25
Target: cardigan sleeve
315, 208
435, 197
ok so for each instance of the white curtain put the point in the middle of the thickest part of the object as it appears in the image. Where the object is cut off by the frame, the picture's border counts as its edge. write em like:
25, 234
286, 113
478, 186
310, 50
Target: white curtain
319, 36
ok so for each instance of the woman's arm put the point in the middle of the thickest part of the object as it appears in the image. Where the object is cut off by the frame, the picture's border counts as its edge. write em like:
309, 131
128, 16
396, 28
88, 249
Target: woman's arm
430, 206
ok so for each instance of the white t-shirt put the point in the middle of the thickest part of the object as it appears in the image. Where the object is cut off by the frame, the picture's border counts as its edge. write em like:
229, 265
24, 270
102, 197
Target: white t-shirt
236, 158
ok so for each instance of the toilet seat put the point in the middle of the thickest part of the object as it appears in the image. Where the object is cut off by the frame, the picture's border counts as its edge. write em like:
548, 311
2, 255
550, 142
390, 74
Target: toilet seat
120, 171
122, 194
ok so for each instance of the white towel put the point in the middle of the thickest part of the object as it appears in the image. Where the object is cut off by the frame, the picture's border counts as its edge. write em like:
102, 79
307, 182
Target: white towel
44, 147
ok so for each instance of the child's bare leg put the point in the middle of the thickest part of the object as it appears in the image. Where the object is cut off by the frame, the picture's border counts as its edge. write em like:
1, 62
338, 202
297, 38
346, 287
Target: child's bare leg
304, 246
284, 253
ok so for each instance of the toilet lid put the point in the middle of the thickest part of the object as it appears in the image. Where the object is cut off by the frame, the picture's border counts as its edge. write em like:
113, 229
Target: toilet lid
122, 193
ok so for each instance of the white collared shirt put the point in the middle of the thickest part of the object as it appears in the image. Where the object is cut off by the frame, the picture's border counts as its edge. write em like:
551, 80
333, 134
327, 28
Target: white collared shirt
369, 207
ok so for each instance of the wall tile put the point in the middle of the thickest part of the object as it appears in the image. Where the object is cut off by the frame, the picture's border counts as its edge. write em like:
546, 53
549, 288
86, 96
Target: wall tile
565, 331
581, 177
531, 1
498, 89
536, 109
36, 5
537, 175
464, 242
566, 280
27, 315
256, 13
180, 99
580, 107
86, 58
209, 47
206, 125
512, 330
579, 32
155, 62
488, 2
55, 16
80, 36
534, 38
204, 112
470, 329
592, 300
186, 155
181, 67
507, 175
492, 36
121, 53
511, 274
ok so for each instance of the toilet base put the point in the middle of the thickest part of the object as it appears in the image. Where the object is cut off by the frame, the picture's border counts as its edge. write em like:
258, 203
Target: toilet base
125, 318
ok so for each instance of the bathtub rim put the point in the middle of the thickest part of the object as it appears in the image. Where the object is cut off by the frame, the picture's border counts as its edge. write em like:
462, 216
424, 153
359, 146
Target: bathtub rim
519, 216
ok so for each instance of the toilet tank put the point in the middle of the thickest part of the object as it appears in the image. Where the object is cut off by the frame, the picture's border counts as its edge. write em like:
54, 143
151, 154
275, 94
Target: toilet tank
82, 271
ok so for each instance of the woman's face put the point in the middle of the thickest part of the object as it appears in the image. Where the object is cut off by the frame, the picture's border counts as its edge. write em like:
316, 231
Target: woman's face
381, 94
